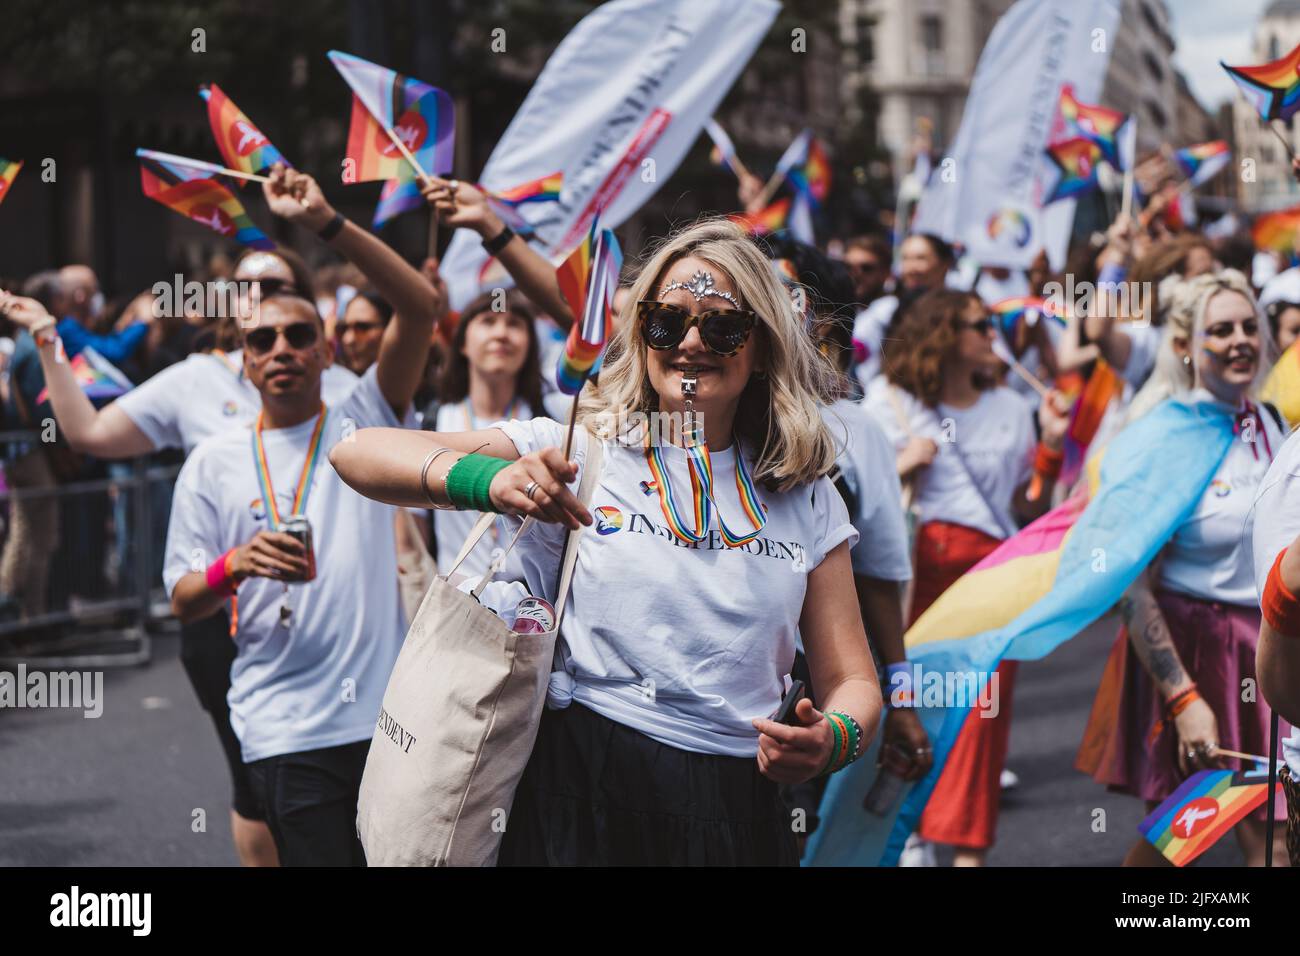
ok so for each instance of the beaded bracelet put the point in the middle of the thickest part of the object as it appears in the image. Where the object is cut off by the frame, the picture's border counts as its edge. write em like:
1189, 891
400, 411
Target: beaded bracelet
848, 741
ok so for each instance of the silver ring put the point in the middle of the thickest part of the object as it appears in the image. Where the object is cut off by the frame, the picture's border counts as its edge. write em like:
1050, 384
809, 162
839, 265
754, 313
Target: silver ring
453, 185
530, 489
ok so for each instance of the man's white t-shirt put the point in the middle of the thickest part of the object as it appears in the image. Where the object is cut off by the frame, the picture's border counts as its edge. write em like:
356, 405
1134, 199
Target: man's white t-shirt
320, 681
996, 439
205, 395
1272, 524
686, 643
866, 460
1209, 556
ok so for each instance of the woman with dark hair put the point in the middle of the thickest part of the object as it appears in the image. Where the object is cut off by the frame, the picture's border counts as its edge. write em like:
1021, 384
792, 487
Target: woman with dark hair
491, 374
359, 331
968, 445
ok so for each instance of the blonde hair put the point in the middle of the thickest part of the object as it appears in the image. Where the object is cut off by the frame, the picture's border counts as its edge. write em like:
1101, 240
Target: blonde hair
779, 411
1188, 302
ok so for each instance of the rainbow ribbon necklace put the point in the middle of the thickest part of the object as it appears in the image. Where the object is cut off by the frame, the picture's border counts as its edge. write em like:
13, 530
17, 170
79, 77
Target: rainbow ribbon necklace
704, 503
471, 421
304, 480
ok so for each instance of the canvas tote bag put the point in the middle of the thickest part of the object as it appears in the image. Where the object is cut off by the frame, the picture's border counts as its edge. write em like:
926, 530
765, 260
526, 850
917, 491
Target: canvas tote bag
459, 719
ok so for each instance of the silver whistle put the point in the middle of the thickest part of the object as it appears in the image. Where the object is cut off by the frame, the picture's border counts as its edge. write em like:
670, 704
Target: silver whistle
689, 423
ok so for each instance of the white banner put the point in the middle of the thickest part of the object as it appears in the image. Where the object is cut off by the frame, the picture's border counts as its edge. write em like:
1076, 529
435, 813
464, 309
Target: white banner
987, 191
616, 107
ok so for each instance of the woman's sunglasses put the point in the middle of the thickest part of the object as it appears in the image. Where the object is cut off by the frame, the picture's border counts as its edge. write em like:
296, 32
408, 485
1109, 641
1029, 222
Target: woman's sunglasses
980, 326
299, 335
723, 331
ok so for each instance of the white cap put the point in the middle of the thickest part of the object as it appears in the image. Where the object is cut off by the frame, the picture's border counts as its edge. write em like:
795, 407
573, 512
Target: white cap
1283, 287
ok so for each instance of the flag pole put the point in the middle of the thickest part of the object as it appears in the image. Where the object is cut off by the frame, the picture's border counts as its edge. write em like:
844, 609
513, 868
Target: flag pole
200, 164
769, 190
573, 420
1282, 139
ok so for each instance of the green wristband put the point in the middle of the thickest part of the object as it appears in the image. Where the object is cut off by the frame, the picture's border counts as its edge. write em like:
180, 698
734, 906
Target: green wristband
835, 749
469, 480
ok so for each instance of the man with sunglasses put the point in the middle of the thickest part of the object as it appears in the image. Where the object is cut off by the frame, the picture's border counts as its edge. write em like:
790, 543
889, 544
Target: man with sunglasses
318, 621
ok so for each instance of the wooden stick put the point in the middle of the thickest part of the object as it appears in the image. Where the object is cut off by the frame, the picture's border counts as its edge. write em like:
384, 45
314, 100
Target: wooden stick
769, 190
433, 233
419, 171
1030, 378
573, 418
1235, 753
1285, 144
200, 164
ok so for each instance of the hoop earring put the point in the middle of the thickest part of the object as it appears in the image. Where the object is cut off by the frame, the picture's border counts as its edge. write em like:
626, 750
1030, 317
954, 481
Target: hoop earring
1187, 360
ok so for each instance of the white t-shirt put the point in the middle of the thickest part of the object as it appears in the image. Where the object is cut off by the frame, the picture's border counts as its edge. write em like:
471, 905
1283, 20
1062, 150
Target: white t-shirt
869, 332
1272, 524
451, 528
1146, 341
319, 682
1208, 556
996, 437
206, 395
866, 460
685, 643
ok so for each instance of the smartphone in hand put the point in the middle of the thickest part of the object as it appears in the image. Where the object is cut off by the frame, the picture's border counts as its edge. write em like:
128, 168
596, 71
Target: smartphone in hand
785, 713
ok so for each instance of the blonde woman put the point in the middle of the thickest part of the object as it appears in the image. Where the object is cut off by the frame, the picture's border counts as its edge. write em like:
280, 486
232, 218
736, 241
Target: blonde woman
1191, 620
657, 747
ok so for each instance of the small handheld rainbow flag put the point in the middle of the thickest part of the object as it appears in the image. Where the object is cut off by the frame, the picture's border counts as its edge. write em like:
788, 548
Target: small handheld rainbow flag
182, 189
1273, 89
98, 378
1203, 809
400, 194
768, 219
422, 117
1097, 123
1026, 309
242, 145
1077, 160
812, 177
1201, 162
507, 202
1102, 387
8, 172
588, 279
1277, 230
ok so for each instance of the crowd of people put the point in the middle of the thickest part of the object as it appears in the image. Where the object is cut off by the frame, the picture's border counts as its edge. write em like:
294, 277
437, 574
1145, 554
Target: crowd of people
867, 433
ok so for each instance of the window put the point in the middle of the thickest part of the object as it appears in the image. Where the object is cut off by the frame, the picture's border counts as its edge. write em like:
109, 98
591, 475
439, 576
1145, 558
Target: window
1274, 51
1153, 66
932, 34
866, 42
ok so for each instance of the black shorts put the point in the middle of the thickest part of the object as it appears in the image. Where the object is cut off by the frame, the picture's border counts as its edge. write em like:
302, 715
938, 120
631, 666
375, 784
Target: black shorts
311, 803
597, 793
207, 651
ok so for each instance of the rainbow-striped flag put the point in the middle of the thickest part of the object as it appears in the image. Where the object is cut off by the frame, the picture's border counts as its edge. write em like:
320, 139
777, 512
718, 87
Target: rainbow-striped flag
768, 219
1102, 387
1207, 806
8, 172
1097, 123
1277, 230
242, 145
1201, 162
588, 279
421, 115
1023, 309
98, 378
812, 177
1273, 89
182, 189
507, 202
1037, 590
1077, 160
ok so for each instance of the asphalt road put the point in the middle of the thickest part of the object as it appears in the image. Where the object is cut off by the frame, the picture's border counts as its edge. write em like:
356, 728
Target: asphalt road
127, 788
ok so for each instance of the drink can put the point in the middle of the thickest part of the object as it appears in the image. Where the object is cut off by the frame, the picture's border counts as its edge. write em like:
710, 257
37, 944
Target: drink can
533, 615
297, 526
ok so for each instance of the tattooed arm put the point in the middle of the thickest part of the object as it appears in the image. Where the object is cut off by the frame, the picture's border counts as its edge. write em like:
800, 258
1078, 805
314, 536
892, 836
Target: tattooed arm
1149, 636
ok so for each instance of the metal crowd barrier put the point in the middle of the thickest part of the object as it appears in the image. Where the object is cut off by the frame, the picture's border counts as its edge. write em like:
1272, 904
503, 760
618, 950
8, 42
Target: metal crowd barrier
82, 555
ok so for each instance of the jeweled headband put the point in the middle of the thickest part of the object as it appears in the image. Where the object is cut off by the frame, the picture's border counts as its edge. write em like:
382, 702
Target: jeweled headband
700, 285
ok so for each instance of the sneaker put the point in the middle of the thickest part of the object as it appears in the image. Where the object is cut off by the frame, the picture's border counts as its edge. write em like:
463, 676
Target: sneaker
917, 852
1009, 780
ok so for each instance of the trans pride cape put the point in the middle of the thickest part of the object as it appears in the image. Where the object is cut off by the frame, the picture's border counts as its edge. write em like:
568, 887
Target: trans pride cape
1036, 591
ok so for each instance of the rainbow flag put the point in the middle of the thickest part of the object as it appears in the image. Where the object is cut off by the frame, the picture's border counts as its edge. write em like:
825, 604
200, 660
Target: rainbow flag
1277, 230
206, 201
1099, 124
8, 172
1273, 89
588, 279
723, 152
1038, 589
1102, 387
506, 202
813, 176
421, 115
99, 378
768, 219
1207, 806
1282, 386
400, 194
1077, 160
242, 145
1027, 309
1201, 162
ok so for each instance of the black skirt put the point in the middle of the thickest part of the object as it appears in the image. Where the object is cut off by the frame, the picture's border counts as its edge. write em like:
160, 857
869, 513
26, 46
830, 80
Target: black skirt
597, 793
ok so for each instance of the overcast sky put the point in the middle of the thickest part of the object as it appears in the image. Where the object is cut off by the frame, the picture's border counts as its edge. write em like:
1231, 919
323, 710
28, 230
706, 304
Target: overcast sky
1207, 31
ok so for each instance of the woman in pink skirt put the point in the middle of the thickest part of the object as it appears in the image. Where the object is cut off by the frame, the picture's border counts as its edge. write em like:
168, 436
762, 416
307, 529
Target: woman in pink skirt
1180, 684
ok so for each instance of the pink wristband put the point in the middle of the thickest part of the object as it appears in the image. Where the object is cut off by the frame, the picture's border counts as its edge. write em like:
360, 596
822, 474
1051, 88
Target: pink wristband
218, 579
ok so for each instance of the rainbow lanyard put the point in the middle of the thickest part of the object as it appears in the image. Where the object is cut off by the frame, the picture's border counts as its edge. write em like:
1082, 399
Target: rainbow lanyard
224, 358
304, 480
702, 493
471, 423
